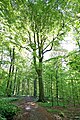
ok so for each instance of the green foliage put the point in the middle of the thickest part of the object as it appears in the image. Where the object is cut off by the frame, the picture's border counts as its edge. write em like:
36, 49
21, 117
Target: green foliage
57, 111
53, 110
49, 104
74, 61
7, 110
8, 99
46, 104
48, 19
2, 118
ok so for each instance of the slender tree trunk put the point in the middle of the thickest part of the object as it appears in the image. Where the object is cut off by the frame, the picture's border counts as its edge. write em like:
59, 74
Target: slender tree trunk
1, 57
73, 91
23, 86
35, 87
57, 85
62, 92
8, 82
11, 71
12, 75
28, 90
14, 85
18, 87
51, 90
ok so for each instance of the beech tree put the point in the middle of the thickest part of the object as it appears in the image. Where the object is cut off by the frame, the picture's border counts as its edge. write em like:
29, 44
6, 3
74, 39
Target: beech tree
43, 22
37, 26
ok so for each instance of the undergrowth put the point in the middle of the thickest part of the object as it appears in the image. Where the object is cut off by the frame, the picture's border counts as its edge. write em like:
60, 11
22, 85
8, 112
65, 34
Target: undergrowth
50, 104
7, 109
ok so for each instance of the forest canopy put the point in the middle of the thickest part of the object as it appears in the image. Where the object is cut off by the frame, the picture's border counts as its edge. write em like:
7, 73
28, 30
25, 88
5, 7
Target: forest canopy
29, 30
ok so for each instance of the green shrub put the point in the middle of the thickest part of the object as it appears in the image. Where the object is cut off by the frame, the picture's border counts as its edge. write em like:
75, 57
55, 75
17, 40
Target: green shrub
45, 104
2, 118
8, 99
53, 110
8, 110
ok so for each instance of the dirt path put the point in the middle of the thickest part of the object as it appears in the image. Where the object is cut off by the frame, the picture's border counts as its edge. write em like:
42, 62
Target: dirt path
31, 111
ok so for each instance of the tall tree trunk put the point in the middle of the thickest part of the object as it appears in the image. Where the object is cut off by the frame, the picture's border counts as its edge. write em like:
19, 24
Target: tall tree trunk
18, 87
73, 91
51, 90
8, 82
57, 84
35, 87
1, 57
11, 71
23, 86
12, 75
37, 47
41, 88
14, 85
28, 86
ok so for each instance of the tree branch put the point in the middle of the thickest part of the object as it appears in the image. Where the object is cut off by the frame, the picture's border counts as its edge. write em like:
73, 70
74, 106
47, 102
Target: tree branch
20, 46
51, 43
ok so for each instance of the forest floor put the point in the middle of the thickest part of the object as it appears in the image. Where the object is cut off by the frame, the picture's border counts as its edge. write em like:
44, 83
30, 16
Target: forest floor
31, 110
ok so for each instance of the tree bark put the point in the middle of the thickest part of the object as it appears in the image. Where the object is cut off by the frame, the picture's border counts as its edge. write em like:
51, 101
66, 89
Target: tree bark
28, 87
8, 82
57, 84
23, 86
14, 85
11, 72
18, 87
41, 88
35, 87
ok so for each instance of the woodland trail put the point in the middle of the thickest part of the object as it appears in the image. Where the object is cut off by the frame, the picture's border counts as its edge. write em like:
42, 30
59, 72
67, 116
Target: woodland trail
32, 111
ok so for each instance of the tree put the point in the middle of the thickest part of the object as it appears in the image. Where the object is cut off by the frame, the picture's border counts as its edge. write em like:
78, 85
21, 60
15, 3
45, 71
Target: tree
42, 21
11, 72
38, 25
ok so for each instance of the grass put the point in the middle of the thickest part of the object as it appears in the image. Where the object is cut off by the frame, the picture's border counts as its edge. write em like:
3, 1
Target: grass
49, 104
45, 104
61, 113
53, 111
